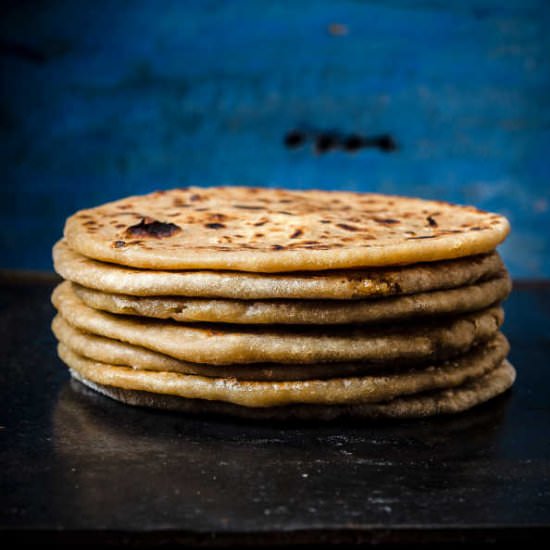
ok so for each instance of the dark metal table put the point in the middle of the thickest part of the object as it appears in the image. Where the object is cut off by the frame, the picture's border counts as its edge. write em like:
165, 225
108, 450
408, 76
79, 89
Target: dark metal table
77, 467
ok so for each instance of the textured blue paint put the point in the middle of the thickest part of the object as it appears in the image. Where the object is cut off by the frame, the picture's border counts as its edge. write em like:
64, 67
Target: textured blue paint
143, 95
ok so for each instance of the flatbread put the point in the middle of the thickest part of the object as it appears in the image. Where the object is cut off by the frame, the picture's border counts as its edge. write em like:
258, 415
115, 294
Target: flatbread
106, 350
226, 344
274, 230
440, 402
328, 285
82, 415
246, 393
302, 312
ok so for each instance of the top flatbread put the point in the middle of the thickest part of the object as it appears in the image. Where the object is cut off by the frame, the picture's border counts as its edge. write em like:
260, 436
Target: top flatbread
274, 230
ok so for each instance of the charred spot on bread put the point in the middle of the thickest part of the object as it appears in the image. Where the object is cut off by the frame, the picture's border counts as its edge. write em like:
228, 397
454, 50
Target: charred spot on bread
386, 221
148, 227
347, 226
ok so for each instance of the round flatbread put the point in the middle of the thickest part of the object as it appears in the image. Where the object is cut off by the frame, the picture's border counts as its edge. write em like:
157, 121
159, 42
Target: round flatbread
440, 402
223, 344
246, 393
330, 285
274, 230
302, 312
106, 350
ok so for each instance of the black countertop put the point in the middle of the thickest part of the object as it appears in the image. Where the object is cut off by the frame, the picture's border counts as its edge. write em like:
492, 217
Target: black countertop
78, 467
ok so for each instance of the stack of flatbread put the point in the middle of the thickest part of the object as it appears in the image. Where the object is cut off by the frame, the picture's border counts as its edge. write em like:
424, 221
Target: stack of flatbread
271, 303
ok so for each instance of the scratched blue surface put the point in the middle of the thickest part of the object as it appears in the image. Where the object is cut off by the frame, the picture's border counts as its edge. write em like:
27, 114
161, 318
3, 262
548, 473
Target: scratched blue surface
104, 99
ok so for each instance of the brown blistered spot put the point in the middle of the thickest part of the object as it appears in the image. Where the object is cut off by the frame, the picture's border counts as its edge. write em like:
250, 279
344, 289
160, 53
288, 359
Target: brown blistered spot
431, 222
214, 225
124, 206
347, 227
324, 221
90, 222
120, 225
476, 228
422, 237
202, 209
258, 235
195, 197
119, 244
84, 216
260, 223
285, 213
277, 247
248, 207
285, 201
296, 234
386, 221
217, 217
148, 227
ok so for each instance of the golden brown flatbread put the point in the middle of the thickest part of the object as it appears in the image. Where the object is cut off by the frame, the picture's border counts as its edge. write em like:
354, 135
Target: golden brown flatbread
259, 394
106, 350
274, 230
302, 312
229, 344
324, 285
439, 402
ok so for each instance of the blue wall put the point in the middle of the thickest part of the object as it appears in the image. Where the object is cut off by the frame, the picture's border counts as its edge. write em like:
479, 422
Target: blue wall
102, 99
